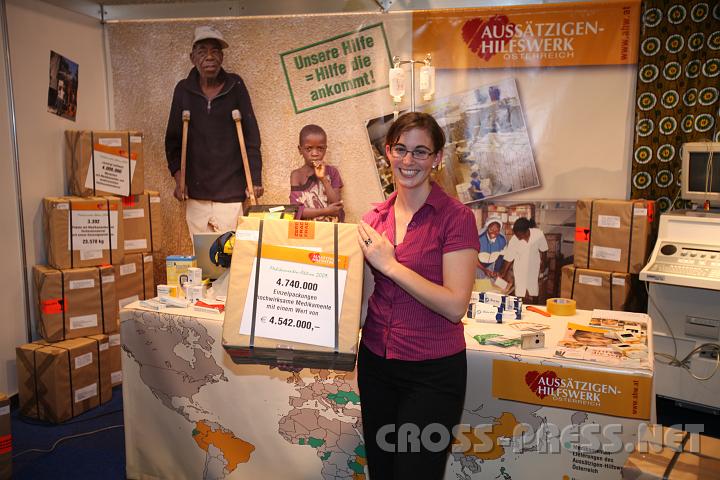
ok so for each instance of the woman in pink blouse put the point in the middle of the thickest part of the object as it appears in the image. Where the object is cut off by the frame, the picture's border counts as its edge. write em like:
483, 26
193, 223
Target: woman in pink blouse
421, 246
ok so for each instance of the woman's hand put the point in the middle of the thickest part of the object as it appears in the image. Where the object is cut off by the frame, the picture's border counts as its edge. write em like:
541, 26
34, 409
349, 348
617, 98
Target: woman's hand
378, 250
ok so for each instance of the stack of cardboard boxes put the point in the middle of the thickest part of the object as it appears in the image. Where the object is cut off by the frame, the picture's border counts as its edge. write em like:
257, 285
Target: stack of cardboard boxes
612, 244
99, 246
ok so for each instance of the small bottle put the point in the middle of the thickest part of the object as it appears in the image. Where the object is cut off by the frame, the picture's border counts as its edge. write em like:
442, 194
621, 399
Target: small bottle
397, 83
427, 82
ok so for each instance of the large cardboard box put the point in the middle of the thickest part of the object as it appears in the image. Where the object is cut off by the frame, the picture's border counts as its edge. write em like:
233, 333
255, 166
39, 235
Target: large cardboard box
82, 232
134, 278
57, 381
102, 346
142, 223
75, 302
595, 288
104, 162
671, 454
613, 235
5, 439
301, 311
116, 375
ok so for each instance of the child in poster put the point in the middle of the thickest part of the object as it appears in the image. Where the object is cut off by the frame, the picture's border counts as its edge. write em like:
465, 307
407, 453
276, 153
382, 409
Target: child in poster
316, 186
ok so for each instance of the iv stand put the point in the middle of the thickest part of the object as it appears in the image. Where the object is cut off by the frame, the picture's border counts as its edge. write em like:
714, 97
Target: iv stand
397, 62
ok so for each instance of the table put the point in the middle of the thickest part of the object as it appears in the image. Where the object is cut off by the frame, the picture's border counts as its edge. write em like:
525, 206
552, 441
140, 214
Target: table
192, 413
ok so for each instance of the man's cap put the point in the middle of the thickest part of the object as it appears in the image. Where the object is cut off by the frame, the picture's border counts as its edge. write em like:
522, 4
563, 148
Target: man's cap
206, 33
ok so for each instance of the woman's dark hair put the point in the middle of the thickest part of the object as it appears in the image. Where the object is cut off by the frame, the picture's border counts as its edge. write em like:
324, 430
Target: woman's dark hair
411, 120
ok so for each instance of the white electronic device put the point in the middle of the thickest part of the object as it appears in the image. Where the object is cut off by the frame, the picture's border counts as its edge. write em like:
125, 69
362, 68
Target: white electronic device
687, 251
700, 172
684, 295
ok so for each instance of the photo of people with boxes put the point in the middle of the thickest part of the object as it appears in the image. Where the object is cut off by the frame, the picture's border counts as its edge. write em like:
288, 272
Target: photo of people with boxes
526, 265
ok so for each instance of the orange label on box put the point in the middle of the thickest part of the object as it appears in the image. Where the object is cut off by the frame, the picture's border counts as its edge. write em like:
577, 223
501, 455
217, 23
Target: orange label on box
301, 230
90, 206
307, 257
120, 152
554, 35
5, 444
52, 306
582, 234
572, 388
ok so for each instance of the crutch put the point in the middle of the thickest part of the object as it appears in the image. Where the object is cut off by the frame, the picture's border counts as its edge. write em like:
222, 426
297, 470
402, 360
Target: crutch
243, 153
183, 152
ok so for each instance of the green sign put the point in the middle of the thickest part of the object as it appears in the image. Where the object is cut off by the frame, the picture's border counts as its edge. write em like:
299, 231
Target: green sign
336, 69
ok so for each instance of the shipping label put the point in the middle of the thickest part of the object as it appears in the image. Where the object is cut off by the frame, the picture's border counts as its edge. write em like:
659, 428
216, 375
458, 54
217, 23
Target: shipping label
127, 269
88, 230
83, 321
590, 280
609, 221
82, 360
293, 296
78, 284
90, 254
606, 253
108, 170
139, 244
133, 213
85, 393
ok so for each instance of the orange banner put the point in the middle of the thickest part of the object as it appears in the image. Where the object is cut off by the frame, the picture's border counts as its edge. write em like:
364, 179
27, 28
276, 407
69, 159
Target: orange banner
306, 257
528, 36
572, 388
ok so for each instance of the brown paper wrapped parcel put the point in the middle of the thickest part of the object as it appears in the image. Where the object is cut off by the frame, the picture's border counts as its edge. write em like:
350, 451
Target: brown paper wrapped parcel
303, 309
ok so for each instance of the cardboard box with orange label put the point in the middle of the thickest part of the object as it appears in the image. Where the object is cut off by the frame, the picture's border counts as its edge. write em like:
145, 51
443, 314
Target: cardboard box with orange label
613, 235
75, 302
295, 294
104, 162
82, 232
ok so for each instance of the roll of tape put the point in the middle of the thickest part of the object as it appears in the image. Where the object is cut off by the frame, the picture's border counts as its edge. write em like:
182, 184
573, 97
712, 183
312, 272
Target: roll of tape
561, 306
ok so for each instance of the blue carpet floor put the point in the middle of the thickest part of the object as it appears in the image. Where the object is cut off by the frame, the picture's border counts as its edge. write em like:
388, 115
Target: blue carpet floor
78, 457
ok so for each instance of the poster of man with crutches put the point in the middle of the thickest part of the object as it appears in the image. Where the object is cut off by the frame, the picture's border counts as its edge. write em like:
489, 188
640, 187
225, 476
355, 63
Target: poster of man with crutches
212, 141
